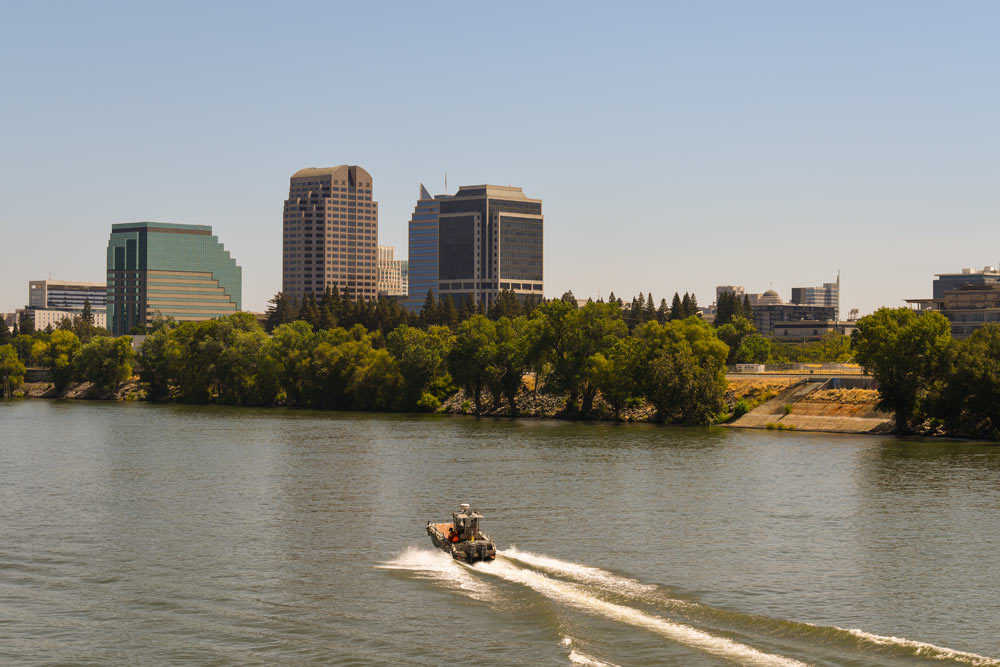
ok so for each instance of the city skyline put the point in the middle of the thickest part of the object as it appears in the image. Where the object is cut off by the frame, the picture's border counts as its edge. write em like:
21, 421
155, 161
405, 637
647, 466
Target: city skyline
768, 146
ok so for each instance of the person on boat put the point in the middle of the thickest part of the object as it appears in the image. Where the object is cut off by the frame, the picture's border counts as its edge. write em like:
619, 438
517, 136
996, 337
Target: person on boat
452, 535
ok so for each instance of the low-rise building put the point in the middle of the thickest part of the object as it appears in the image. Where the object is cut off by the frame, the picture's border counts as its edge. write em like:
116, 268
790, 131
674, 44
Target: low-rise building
800, 330
67, 295
42, 318
968, 299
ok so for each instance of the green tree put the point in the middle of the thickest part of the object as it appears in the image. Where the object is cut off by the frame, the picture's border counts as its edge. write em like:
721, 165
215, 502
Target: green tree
618, 375
422, 358
968, 399
506, 305
24, 345
154, 361
292, 346
27, 324
512, 359
5, 335
683, 370
734, 333
746, 310
429, 311
902, 349
725, 309
472, 354
753, 349
87, 315
568, 337
105, 361
57, 355
11, 371
677, 308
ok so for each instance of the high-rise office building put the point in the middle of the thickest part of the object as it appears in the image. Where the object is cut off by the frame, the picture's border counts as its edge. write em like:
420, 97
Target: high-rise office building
423, 250
390, 272
168, 270
330, 233
65, 295
827, 295
489, 239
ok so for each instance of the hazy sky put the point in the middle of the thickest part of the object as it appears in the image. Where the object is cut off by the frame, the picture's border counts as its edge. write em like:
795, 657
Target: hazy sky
676, 146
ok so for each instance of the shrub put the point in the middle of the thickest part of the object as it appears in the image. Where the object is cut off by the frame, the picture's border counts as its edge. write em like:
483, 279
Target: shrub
428, 402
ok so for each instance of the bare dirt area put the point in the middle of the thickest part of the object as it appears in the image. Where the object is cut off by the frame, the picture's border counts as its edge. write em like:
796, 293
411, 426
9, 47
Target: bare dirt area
804, 406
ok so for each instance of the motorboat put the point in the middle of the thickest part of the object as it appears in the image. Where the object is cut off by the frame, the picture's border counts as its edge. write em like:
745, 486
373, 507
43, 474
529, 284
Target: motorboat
461, 536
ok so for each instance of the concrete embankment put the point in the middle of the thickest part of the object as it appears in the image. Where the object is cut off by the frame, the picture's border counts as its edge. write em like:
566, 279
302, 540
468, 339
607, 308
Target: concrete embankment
832, 405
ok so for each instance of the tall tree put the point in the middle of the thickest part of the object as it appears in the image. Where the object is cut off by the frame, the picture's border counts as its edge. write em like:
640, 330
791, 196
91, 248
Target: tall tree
57, 355
27, 324
280, 310
725, 309
106, 361
902, 349
87, 314
471, 355
683, 372
511, 360
747, 310
5, 336
677, 308
969, 396
663, 312
11, 371
650, 312
429, 314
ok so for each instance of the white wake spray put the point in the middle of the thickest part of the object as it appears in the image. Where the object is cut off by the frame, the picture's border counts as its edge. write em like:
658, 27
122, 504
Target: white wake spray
571, 595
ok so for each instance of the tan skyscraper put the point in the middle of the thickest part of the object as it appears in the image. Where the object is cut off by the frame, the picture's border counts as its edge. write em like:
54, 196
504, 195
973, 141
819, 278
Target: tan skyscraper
330, 233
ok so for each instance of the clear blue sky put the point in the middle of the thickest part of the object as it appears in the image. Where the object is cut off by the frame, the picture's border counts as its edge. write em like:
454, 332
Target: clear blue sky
676, 146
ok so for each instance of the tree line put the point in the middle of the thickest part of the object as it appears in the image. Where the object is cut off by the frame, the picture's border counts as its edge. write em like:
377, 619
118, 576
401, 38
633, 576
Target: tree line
625, 354
578, 352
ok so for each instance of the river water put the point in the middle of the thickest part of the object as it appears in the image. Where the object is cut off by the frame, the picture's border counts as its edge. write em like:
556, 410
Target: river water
155, 534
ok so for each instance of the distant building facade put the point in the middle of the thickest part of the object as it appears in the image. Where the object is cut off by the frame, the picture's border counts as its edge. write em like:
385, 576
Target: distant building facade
66, 295
723, 289
811, 329
390, 272
490, 238
968, 299
168, 270
330, 233
828, 294
423, 250
42, 318
769, 309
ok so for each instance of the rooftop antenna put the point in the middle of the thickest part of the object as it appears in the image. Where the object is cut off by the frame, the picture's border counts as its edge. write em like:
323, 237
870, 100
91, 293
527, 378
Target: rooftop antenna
446, 182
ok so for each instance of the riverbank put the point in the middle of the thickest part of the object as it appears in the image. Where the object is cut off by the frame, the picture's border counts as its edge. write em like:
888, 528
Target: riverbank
778, 403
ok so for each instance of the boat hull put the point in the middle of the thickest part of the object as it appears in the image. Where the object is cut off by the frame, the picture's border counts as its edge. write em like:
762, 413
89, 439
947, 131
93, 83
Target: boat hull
482, 548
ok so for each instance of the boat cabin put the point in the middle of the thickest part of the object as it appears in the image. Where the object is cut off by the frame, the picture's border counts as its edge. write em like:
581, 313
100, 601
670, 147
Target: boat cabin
466, 522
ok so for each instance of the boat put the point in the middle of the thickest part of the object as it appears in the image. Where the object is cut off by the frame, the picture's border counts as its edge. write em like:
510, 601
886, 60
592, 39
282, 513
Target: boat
461, 536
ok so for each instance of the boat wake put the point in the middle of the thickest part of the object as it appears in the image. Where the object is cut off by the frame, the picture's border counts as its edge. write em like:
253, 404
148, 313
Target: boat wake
722, 633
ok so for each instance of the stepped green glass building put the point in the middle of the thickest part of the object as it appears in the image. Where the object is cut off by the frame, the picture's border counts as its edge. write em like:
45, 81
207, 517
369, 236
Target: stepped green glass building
169, 270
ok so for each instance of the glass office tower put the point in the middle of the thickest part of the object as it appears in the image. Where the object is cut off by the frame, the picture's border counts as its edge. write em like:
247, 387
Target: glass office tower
489, 239
168, 270
423, 250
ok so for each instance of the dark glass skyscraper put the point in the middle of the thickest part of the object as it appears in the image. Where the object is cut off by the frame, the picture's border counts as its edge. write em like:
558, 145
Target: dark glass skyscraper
489, 239
423, 249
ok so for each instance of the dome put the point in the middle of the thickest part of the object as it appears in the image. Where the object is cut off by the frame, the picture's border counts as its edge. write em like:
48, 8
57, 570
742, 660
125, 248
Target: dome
770, 297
